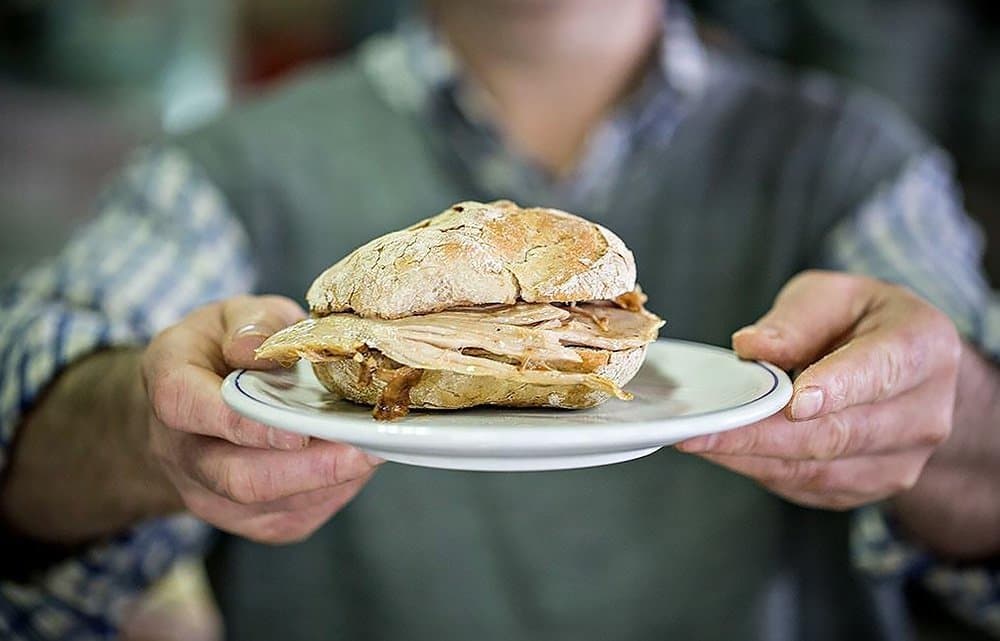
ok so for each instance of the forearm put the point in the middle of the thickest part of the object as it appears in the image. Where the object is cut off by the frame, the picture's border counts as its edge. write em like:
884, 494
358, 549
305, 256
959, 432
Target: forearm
79, 468
954, 509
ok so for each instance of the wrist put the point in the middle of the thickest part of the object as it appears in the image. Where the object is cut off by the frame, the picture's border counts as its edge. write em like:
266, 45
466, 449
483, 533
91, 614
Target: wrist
79, 468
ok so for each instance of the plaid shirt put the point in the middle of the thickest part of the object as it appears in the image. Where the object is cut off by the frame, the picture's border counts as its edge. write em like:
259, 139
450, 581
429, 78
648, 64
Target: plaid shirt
117, 284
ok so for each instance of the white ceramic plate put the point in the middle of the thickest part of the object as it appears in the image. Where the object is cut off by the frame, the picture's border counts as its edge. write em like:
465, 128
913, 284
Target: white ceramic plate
683, 390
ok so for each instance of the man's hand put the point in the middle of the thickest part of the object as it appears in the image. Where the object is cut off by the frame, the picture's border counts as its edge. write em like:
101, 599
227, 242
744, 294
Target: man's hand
243, 477
875, 398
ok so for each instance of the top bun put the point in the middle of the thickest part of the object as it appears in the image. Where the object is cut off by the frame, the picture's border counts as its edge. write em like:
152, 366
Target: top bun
477, 254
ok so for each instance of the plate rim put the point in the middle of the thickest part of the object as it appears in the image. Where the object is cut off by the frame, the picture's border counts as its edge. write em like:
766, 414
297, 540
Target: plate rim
568, 435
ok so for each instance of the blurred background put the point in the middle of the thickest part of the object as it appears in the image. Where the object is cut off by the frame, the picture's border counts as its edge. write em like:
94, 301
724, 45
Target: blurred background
82, 82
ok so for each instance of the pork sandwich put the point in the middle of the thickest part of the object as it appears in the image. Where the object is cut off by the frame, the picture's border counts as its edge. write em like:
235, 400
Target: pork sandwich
483, 304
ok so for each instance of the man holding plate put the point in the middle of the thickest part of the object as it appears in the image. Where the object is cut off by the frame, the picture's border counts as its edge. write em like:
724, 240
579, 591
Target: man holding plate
734, 182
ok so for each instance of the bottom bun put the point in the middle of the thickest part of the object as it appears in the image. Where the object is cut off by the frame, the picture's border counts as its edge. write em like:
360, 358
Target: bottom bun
439, 389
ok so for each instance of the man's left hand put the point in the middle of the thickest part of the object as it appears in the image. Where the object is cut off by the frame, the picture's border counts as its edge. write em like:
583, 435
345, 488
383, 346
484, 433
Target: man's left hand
875, 397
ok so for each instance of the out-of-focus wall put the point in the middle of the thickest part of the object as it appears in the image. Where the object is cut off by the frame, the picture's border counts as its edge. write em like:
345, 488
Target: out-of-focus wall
81, 84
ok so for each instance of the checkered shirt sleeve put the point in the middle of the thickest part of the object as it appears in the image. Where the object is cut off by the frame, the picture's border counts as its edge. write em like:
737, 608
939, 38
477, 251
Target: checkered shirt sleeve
164, 242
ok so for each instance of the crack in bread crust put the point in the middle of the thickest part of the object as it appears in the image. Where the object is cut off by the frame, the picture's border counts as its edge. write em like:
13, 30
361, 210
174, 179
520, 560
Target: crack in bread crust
477, 254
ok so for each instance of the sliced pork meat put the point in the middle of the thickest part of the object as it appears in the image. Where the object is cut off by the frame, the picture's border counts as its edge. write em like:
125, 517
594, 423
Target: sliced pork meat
530, 343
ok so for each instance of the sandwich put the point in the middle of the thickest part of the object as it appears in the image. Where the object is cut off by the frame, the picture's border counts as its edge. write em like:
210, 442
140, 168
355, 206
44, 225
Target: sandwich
483, 304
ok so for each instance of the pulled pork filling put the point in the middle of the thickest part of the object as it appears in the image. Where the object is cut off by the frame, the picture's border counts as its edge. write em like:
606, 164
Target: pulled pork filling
535, 343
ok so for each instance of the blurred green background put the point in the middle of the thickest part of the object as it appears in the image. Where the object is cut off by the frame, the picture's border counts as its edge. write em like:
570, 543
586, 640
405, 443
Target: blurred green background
84, 81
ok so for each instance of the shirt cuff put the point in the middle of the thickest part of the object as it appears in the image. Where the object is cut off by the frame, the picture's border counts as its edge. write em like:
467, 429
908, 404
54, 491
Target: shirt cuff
972, 592
86, 596
37, 343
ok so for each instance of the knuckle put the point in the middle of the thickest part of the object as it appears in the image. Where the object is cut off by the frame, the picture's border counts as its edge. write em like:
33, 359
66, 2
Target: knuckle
915, 470
903, 292
818, 275
837, 389
823, 479
837, 502
834, 439
353, 465
340, 466
912, 477
199, 504
804, 277
931, 326
236, 483
890, 370
284, 529
905, 480
281, 302
167, 393
745, 441
807, 279
335, 469
230, 424
947, 340
787, 472
239, 301
839, 280
841, 502
237, 429
856, 488
936, 432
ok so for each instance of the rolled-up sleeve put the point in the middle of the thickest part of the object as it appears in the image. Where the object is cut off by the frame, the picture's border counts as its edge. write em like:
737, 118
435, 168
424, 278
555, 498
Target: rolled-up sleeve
163, 243
914, 232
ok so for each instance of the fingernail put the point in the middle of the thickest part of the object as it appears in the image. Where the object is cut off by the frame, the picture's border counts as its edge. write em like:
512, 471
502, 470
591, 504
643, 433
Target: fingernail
698, 444
374, 460
769, 333
255, 330
282, 440
807, 403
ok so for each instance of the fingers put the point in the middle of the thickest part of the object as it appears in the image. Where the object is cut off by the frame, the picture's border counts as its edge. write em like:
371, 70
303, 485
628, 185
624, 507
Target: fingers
915, 420
286, 521
841, 484
182, 369
890, 341
875, 400
909, 344
240, 475
248, 321
186, 398
295, 525
259, 476
268, 496
813, 311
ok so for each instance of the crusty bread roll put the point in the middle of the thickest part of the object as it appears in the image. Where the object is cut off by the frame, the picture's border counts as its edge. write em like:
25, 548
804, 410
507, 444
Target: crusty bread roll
483, 304
477, 254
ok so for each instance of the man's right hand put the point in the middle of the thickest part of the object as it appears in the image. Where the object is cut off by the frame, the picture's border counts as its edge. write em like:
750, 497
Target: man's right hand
242, 476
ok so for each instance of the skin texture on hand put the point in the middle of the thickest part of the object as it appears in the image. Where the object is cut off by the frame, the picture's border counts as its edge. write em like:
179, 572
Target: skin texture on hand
241, 476
875, 397
80, 467
954, 508
121, 436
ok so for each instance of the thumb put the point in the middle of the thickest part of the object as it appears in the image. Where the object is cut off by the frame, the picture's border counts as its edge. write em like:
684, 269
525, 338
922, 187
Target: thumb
248, 321
812, 313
